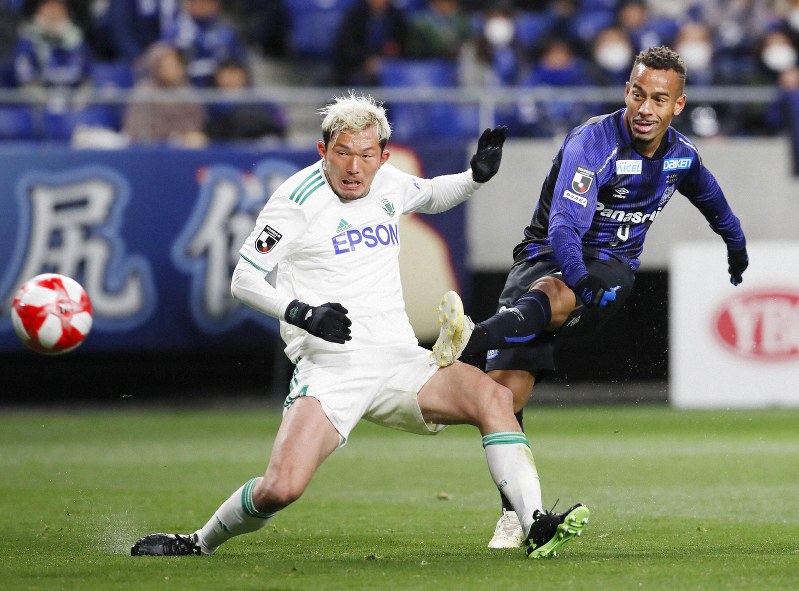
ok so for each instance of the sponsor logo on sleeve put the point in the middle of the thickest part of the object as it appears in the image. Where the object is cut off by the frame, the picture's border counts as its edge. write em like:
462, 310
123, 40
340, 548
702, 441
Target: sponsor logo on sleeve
677, 163
582, 180
628, 167
267, 239
579, 199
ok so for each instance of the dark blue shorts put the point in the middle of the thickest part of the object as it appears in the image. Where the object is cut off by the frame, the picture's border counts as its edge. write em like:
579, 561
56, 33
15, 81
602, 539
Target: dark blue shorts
538, 356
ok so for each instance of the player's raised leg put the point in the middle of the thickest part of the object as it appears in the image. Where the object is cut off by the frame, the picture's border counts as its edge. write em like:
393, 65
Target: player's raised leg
461, 393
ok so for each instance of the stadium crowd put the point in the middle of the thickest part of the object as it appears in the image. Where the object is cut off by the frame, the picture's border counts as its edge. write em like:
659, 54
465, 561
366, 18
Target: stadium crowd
54, 52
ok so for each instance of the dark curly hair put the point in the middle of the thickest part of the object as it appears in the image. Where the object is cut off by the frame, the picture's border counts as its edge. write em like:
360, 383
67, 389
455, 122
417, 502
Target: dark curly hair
662, 58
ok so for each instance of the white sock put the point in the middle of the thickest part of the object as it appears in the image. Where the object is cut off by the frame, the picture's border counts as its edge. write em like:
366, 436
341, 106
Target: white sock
512, 467
234, 517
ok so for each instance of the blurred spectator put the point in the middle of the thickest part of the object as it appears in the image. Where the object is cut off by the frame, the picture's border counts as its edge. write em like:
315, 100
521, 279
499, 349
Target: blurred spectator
499, 56
779, 60
694, 43
777, 54
439, 31
371, 31
265, 25
205, 39
9, 22
137, 24
737, 27
644, 29
558, 65
786, 108
51, 51
150, 119
231, 119
563, 16
612, 56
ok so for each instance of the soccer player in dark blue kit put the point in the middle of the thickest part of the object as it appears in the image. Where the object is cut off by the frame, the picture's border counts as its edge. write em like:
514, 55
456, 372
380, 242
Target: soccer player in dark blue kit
575, 267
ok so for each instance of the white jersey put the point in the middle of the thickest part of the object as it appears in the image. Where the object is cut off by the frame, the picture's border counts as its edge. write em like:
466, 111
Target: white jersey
328, 250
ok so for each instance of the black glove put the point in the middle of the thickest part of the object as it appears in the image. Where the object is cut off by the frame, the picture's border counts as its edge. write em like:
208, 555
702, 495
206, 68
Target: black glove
592, 291
485, 162
738, 261
328, 321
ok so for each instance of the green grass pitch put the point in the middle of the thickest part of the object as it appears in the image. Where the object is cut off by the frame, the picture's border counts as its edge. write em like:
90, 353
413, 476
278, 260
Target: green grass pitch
680, 500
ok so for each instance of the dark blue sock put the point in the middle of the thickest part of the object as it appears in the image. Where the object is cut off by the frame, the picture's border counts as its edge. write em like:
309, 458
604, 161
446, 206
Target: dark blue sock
515, 326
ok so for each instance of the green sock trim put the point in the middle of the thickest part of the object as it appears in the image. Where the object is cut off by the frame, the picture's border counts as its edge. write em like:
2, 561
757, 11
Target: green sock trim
246, 501
507, 438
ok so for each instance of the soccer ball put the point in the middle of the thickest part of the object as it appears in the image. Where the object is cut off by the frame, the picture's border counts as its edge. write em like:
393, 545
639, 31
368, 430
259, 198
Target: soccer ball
51, 314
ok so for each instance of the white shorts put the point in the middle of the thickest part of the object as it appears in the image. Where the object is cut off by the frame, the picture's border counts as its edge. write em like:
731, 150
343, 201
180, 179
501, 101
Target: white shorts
379, 385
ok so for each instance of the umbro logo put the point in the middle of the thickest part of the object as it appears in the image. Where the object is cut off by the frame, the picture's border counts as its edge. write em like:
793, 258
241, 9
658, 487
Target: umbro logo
620, 193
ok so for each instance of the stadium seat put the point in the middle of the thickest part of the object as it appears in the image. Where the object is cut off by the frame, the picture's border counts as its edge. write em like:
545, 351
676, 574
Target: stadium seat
427, 73
314, 24
17, 123
589, 24
530, 27
109, 75
588, 5
117, 74
434, 119
411, 6
59, 126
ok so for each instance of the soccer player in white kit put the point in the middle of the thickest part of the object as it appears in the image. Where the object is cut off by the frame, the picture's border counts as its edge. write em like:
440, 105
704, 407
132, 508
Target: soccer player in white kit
323, 258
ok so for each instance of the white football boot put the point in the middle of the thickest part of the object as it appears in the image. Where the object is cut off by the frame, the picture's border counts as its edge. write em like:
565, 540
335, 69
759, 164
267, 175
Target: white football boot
455, 330
508, 533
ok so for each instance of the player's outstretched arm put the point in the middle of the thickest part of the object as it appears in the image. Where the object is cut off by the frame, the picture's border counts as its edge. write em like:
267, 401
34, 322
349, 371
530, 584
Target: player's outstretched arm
485, 162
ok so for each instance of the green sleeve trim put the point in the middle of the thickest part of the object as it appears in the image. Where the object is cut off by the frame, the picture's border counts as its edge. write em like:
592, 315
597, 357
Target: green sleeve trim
253, 263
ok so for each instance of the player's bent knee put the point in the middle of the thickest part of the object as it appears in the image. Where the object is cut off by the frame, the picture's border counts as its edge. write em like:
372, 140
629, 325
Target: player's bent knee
561, 298
275, 495
497, 400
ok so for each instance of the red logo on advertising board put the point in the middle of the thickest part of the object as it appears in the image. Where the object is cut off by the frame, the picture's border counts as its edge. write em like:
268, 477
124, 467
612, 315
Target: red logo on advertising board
761, 325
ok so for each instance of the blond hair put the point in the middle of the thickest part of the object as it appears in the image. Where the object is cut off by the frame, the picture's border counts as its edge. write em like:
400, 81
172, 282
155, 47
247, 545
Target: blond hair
354, 113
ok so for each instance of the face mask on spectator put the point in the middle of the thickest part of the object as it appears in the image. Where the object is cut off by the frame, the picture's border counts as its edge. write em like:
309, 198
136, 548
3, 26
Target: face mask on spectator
499, 30
696, 54
614, 56
779, 57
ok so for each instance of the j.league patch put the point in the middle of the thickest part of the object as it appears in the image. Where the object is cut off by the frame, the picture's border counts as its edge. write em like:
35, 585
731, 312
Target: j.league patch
267, 239
582, 180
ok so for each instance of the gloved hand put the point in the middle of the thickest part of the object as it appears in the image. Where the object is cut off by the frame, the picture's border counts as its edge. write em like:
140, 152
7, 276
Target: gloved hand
485, 162
328, 321
738, 261
592, 291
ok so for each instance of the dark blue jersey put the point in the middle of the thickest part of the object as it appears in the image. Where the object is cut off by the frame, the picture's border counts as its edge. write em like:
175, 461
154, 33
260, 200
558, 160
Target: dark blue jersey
601, 196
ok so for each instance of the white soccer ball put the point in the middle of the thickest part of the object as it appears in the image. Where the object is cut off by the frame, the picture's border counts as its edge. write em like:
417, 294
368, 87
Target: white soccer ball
51, 314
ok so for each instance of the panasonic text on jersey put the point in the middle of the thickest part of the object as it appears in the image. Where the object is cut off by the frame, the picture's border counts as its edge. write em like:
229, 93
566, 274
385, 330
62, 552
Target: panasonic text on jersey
627, 217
